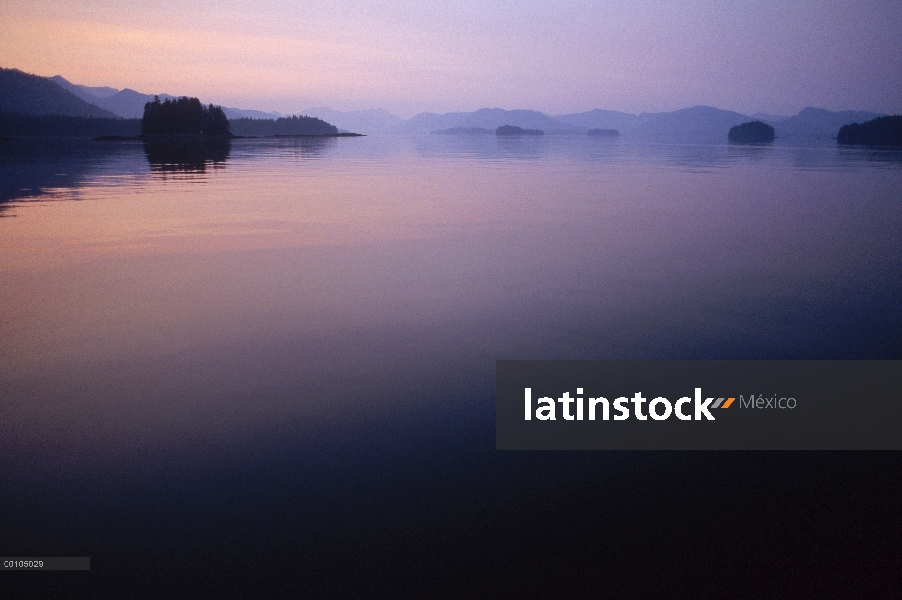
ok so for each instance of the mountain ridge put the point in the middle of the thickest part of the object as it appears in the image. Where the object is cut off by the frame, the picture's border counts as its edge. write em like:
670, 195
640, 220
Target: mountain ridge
129, 104
697, 123
82, 91
369, 121
26, 94
485, 118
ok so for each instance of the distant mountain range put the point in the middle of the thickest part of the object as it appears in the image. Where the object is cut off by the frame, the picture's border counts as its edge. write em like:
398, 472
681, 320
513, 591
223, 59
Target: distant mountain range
487, 118
699, 123
817, 122
129, 104
25, 94
359, 121
696, 124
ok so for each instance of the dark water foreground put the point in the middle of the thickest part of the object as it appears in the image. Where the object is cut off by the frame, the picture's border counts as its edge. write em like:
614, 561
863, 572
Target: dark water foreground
271, 373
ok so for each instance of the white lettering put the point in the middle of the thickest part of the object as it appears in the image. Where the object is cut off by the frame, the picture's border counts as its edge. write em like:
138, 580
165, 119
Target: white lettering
579, 405
702, 408
605, 414
638, 400
654, 415
678, 410
566, 401
546, 413
623, 410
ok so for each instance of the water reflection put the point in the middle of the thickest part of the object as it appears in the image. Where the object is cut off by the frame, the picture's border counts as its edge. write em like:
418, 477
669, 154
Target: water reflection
32, 168
872, 156
697, 157
487, 147
189, 155
782, 154
296, 358
302, 147
45, 168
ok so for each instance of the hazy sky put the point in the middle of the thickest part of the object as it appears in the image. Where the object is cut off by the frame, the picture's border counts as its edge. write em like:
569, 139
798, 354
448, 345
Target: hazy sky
409, 56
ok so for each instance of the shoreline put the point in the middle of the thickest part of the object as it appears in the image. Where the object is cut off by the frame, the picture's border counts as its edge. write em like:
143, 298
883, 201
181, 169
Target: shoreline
192, 137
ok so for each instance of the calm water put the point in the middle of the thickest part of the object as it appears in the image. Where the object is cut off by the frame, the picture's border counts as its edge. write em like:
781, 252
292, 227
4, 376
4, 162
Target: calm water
269, 366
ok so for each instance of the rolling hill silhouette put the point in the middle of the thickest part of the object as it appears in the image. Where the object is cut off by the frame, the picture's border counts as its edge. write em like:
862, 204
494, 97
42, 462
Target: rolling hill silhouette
82, 91
129, 104
600, 119
486, 118
362, 121
819, 123
25, 94
882, 131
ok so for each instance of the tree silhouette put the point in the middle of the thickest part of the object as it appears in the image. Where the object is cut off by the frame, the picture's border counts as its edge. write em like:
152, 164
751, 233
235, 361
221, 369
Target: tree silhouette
215, 121
882, 131
753, 132
293, 125
183, 116
604, 133
514, 130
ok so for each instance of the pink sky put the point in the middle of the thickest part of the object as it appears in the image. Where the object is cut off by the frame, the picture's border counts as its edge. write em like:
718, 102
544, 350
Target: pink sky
412, 56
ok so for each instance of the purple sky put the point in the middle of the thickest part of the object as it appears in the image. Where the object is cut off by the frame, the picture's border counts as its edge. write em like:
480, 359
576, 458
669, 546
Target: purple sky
423, 55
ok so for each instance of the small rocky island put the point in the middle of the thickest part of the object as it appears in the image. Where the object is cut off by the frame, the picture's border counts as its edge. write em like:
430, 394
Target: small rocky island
753, 132
882, 131
514, 130
604, 133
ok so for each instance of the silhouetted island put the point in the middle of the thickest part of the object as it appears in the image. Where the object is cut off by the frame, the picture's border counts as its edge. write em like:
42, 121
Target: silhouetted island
183, 116
610, 133
882, 131
286, 127
514, 130
753, 132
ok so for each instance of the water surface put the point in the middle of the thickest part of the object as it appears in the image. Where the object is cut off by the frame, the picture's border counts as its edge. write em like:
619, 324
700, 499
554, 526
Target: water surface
286, 348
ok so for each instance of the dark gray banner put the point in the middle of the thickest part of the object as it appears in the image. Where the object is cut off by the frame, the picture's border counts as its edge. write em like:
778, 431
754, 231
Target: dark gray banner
699, 405
43, 563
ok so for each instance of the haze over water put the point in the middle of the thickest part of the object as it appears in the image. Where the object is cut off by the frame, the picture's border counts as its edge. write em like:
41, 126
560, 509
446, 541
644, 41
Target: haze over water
292, 347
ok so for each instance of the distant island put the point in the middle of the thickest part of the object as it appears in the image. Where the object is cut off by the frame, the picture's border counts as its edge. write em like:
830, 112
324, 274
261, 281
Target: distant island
183, 116
187, 116
31, 105
610, 133
883, 131
753, 132
514, 130
285, 127
464, 131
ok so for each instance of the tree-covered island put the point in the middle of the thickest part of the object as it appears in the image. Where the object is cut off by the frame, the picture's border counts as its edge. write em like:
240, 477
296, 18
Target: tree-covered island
183, 116
753, 132
514, 130
284, 127
882, 131
603, 133
188, 117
